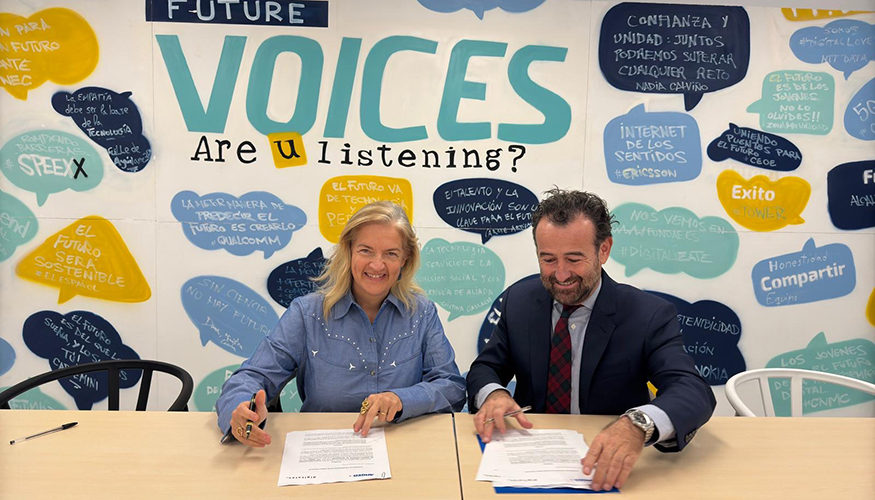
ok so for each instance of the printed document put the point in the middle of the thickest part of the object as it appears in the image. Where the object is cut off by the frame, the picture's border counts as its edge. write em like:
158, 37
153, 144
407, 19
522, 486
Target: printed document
333, 456
535, 458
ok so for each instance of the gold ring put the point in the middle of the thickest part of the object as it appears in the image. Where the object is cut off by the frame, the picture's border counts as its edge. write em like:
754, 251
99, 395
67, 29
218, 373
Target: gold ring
365, 405
240, 431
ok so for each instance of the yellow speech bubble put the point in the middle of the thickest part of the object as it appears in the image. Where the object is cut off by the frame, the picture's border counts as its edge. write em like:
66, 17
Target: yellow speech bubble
760, 204
343, 196
87, 258
53, 44
287, 149
815, 14
870, 308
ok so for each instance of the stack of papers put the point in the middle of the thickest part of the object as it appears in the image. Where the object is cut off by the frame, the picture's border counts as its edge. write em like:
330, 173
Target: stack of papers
334, 456
535, 458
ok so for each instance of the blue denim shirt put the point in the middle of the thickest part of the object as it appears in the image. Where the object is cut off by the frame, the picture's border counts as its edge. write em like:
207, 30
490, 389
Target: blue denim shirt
342, 361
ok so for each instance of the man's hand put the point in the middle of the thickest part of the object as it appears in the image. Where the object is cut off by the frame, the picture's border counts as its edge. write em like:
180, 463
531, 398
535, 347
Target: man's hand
258, 438
496, 405
383, 407
613, 453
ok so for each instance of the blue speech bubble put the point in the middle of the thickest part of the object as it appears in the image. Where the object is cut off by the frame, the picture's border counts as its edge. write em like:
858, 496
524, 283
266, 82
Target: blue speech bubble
850, 188
111, 120
847, 45
18, 225
860, 114
674, 49
815, 273
7, 356
77, 338
651, 148
257, 221
711, 333
755, 148
293, 279
479, 7
228, 313
492, 317
488, 207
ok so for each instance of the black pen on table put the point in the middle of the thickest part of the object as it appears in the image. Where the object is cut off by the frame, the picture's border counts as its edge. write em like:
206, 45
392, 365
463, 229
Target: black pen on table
251, 408
56, 429
509, 414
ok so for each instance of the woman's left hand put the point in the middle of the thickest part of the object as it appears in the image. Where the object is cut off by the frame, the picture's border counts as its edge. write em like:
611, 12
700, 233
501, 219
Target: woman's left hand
382, 406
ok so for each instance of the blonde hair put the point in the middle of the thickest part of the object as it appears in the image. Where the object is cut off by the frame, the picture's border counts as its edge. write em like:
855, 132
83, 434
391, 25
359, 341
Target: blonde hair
336, 279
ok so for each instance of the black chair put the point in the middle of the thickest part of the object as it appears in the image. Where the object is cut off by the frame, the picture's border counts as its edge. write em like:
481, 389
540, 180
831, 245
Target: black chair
113, 369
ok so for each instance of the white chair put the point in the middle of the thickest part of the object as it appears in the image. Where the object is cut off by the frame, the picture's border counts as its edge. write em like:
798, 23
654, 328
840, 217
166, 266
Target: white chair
764, 374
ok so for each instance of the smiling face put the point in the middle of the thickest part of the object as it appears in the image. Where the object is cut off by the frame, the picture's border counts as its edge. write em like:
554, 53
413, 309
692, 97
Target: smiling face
570, 263
377, 259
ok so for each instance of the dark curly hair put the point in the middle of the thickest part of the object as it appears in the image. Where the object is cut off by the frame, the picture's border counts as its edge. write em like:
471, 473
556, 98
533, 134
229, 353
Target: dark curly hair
563, 206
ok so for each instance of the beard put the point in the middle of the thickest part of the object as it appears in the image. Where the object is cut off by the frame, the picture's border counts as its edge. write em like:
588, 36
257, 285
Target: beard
570, 296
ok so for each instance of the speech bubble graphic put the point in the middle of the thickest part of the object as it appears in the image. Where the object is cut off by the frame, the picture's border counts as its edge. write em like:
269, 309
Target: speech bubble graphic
796, 102
7, 356
111, 120
258, 221
870, 308
34, 399
815, 273
48, 161
461, 277
847, 45
343, 196
760, 204
488, 207
209, 389
815, 14
293, 279
479, 7
228, 313
851, 191
673, 240
76, 338
492, 317
651, 148
89, 258
674, 49
53, 44
18, 225
755, 148
852, 358
711, 332
860, 113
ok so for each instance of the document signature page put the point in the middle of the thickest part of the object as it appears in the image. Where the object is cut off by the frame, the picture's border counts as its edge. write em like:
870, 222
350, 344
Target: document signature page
333, 456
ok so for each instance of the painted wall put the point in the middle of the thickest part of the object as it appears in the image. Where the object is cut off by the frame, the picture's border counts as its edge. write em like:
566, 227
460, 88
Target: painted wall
174, 171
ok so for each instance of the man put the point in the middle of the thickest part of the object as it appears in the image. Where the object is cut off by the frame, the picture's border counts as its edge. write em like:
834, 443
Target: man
578, 342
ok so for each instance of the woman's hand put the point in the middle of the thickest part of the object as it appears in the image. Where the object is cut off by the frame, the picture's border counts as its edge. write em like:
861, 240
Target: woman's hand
257, 438
382, 406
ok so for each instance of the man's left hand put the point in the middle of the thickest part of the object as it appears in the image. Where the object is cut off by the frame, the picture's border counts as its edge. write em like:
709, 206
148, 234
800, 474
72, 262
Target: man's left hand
613, 453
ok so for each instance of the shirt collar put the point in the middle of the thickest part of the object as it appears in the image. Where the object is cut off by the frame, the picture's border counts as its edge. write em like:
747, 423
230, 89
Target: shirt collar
341, 308
589, 303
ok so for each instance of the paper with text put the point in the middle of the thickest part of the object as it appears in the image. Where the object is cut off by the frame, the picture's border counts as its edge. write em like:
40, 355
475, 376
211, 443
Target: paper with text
333, 456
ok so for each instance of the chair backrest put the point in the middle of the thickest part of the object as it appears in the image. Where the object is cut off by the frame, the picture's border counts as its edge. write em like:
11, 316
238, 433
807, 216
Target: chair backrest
113, 369
796, 376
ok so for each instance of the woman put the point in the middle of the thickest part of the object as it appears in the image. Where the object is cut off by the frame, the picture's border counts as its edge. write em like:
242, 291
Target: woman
368, 341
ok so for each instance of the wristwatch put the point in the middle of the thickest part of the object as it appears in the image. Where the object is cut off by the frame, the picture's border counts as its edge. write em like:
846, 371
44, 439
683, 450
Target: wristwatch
642, 421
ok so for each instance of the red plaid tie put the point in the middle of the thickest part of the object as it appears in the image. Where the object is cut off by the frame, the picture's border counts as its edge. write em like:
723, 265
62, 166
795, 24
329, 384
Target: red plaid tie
559, 375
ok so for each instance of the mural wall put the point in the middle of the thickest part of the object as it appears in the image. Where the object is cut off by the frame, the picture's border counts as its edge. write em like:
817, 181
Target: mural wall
174, 171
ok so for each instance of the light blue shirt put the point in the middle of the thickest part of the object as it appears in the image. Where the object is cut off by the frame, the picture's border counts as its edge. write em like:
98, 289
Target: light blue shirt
342, 361
577, 323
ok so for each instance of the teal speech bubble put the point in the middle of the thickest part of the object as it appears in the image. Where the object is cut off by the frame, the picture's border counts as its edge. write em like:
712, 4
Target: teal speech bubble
34, 399
796, 102
463, 278
209, 389
673, 240
853, 358
49, 161
18, 225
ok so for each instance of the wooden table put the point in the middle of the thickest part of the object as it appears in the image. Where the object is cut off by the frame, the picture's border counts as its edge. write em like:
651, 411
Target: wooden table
164, 456
732, 458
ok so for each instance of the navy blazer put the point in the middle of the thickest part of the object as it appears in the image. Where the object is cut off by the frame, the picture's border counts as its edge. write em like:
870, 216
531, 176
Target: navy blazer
633, 337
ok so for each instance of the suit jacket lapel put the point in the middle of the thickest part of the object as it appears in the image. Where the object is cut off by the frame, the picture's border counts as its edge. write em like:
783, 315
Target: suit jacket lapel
598, 334
539, 332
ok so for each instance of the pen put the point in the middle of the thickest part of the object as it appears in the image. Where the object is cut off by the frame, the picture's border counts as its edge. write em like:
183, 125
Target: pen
509, 414
56, 429
251, 408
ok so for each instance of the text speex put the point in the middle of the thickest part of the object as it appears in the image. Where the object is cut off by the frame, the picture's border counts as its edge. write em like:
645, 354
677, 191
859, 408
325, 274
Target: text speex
556, 111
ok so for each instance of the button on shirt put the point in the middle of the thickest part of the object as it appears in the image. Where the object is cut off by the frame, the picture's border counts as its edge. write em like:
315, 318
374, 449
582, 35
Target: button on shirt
342, 361
577, 323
